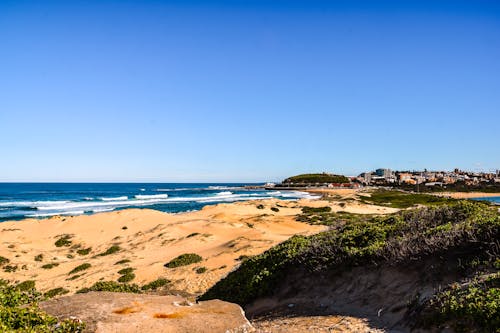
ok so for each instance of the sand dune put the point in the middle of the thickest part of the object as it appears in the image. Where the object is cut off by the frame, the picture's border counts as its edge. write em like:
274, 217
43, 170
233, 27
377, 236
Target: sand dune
149, 239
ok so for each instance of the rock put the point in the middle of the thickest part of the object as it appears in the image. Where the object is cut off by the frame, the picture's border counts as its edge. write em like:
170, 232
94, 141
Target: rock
126, 313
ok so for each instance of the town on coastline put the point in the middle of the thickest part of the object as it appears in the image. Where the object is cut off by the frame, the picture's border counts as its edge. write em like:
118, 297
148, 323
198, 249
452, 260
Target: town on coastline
421, 181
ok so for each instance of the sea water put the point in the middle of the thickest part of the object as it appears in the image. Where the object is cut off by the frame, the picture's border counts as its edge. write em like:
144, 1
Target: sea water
39, 200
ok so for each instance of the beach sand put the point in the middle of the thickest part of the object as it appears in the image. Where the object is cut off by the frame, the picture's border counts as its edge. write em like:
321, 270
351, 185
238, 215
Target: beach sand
220, 234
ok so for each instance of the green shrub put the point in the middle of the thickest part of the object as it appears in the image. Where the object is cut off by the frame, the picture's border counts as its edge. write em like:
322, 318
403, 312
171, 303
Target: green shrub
258, 275
25, 285
397, 238
201, 270
184, 260
274, 209
112, 287
476, 305
123, 261
3, 261
84, 252
156, 284
39, 257
260, 206
193, 234
64, 240
125, 271
56, 292
19, 312
80, 268
50, 266
316, 210
10, 268
113, 249
126, 278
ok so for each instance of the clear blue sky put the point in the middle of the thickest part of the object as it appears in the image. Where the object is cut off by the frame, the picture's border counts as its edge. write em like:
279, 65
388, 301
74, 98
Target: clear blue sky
245, 90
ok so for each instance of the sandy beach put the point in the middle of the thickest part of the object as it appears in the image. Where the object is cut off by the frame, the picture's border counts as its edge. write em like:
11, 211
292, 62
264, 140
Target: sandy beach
220, 234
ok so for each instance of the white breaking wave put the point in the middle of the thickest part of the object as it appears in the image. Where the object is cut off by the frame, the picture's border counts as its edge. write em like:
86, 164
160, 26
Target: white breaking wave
76, 212
152, 196
224, 193
100, 210
90, 205
114, 199
218, 187
31, 203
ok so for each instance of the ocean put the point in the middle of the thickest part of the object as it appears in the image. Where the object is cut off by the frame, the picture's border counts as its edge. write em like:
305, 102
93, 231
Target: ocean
39, 200
495, 200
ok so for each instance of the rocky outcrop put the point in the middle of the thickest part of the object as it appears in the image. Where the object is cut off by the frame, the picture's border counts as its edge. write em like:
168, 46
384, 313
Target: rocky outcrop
122, 312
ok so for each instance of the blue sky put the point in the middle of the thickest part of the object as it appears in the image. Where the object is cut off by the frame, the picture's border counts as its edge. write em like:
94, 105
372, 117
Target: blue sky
245, 90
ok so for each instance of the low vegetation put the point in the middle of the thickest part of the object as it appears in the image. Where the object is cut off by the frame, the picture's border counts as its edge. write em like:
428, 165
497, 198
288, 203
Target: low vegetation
127, 275
123, 261
399, 199
324, 216
50, 265
39, 257
80, 268
19, 312
113, 249
184, 260
64, 240
3, 261
56, 292
112, 286
84, 252
374, 240
200, 270
156, 284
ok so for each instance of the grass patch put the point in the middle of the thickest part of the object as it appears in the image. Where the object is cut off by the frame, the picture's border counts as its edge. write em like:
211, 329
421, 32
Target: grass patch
10, 268
56, 292
156, 284
201, 270
125, 271
80, 268
84, 252
3, 261
126, 278
184, 260
112, 286
399, 199
50, 265
26, 285
64, 240
123, 261
113, 249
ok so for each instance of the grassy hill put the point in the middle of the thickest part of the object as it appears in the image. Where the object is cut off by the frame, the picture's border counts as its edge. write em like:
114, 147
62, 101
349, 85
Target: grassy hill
421, 268
312, 178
